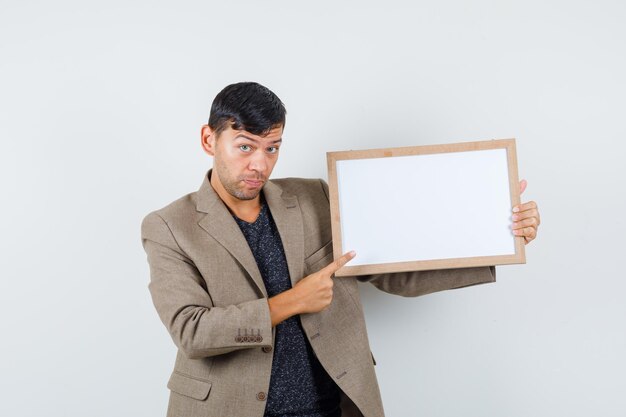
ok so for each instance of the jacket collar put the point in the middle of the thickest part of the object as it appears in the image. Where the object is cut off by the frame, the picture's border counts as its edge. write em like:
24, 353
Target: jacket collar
220, 224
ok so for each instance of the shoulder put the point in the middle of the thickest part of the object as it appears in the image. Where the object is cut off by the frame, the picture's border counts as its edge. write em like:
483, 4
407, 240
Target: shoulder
174, 215
312, 197
304, 187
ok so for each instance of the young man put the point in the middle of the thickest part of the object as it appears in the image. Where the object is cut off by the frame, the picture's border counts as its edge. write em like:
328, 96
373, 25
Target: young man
242, 277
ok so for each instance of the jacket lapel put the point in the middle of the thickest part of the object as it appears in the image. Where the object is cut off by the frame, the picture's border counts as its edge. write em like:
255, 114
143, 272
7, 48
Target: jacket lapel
288, 218
219, 223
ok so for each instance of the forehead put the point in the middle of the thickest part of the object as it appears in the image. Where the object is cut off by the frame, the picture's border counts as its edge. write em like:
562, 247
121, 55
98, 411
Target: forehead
274, 135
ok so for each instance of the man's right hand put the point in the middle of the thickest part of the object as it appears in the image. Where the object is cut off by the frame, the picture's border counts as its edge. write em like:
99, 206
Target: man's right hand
311, 294
314, 293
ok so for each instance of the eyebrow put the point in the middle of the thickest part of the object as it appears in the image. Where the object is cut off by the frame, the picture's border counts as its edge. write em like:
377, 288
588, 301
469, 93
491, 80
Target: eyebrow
255, 140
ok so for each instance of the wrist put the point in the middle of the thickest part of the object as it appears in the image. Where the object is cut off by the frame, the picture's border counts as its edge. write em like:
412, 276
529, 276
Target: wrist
283, 306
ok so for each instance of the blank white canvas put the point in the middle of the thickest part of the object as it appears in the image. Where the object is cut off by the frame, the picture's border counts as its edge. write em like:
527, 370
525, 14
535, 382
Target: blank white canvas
425, 207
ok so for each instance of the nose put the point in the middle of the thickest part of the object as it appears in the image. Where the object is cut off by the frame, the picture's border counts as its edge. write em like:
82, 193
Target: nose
258, 162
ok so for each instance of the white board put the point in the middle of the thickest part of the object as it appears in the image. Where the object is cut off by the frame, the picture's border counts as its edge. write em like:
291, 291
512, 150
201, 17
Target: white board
433, 207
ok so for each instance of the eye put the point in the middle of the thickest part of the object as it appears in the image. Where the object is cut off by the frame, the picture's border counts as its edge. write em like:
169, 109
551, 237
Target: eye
245, 148
272, 149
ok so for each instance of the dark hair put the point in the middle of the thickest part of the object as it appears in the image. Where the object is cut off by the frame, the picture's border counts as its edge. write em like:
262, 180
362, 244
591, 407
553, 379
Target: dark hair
247, 106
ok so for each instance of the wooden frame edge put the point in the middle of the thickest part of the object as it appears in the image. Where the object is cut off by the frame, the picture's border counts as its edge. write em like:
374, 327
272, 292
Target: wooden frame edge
519, 257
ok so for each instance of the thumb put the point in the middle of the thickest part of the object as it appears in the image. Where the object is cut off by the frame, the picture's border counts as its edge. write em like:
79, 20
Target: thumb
522, 186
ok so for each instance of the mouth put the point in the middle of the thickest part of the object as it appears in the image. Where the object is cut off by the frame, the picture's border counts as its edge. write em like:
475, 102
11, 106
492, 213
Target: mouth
253, 183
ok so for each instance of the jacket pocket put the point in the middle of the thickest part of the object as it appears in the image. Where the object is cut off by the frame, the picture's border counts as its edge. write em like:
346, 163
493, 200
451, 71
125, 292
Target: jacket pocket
189, 386
319, 259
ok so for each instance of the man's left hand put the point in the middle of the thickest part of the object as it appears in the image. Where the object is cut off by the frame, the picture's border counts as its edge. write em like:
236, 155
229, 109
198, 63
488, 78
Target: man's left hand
525, 218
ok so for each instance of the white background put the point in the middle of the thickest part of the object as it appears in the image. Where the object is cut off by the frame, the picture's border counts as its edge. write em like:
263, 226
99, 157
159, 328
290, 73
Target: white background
100, 113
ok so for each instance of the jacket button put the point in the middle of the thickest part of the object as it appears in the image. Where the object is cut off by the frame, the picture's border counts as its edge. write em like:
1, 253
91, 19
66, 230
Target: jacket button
260, 396
266, 349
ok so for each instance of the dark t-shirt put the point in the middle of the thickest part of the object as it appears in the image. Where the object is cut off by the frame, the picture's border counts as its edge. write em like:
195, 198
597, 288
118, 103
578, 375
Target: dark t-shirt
299, 385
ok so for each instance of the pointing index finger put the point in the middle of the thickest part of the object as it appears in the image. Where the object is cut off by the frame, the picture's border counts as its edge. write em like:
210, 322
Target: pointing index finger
338, 263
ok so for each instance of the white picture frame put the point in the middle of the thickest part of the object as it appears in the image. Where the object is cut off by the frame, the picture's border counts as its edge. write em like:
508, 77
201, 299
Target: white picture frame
425, 207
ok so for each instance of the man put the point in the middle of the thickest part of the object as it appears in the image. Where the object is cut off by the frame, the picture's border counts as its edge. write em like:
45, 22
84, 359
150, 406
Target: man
241, 276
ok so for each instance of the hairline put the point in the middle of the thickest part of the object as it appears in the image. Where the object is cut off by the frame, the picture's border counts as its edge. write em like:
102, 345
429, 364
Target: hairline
218, 132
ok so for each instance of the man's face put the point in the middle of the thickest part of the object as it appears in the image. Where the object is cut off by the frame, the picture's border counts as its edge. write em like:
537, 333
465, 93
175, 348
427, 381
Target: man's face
242, 161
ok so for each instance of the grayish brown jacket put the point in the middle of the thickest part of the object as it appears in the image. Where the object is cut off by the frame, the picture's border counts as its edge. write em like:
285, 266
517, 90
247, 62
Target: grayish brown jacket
210, 296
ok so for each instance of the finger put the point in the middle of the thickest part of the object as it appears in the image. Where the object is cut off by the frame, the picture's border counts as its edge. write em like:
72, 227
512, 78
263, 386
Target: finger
531, 222
332, 267
525, 206
525, 215
522, 186
529, 232
528, 239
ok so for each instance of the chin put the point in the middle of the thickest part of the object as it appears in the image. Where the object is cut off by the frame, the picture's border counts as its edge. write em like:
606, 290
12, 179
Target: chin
246, 196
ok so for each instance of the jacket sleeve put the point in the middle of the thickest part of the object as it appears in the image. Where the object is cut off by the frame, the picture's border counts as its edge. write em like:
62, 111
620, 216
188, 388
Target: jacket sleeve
184, 305
416, 283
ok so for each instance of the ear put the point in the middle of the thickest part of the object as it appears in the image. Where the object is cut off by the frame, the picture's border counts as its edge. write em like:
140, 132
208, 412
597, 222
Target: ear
207, 140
